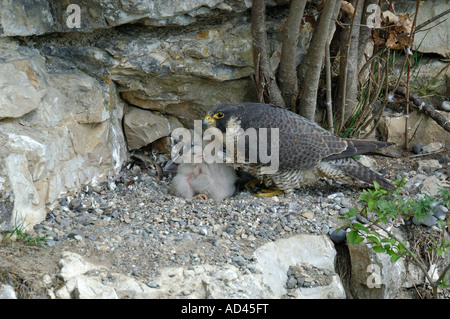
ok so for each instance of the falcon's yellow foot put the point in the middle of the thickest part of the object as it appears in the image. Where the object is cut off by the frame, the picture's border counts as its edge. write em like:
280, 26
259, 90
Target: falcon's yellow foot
268, 193
252, 185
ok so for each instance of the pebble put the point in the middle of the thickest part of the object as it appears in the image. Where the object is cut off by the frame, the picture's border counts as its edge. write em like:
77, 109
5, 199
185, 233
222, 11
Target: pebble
428, 220
152, 284
339, 236
440, 212
445, 105
239, 260
417, 148
75, 203
7, 292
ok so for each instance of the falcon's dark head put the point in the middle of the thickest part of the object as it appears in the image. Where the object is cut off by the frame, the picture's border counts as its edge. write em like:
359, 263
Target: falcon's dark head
223, 116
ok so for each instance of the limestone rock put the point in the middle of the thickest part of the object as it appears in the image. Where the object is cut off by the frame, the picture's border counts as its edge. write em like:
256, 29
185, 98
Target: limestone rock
25, 17
29, 208
7, 292
422, 129
436, 39
374, 276
275, 258
67, 136
83, 279
143, 127
86, 280
184, 73
431, 185
30, 17
21, 89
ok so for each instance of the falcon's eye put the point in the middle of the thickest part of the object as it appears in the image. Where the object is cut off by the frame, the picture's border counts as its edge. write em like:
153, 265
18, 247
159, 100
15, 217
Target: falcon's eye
219, 115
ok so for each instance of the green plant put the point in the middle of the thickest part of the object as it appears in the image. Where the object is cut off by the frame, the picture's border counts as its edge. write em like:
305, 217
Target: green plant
381, 207
19, 234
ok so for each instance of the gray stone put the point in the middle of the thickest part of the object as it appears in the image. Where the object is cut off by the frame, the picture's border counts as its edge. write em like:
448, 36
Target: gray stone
35, 17
25, 17
75, 203
433, 148
239, 260
417, 148
339, 236
445, 106
440, 212
431, 185
428, 220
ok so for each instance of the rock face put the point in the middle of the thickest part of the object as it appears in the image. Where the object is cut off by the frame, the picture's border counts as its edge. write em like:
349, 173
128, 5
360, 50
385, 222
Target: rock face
422, 129
63, 97
185, 72
29, 17
437, 40
272, 261
58, 131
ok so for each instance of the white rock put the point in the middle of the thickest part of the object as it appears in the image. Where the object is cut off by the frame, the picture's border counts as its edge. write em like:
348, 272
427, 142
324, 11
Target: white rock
274, 259
143, 127
68, 134
429, 164
431, 185
433, 147
7, 292
20, 88
29, 209
374, 276
445, 106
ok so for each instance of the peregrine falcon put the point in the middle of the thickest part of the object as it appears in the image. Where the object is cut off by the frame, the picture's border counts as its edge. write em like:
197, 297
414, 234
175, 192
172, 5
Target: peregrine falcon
306, 151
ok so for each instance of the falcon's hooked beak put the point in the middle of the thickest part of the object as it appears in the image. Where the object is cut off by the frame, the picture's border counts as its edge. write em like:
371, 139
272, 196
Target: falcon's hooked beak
209, 120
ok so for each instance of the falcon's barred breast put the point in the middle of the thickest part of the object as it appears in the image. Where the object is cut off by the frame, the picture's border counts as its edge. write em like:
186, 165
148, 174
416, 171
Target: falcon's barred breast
306, 150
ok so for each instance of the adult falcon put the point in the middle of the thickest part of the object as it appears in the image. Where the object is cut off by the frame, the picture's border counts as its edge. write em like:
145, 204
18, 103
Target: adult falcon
306, 150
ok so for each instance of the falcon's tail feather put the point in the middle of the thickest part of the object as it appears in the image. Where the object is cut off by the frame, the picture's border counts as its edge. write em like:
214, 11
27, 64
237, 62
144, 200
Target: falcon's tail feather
356, 147
348, 167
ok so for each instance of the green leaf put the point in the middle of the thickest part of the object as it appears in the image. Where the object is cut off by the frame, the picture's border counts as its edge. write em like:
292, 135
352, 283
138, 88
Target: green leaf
374, 239
352, 212
378, 249
395, 257
376, 185
353, 237
371, 204
360, 227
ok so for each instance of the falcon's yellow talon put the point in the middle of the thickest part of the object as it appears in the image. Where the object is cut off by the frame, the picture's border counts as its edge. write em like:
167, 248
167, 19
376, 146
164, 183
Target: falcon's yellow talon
252, 184
268, 193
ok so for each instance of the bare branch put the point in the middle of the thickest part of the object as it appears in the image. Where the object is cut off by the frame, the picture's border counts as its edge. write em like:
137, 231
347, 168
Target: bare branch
287, 75
261, 53
426, 107
329, 102
348, 87
310, 69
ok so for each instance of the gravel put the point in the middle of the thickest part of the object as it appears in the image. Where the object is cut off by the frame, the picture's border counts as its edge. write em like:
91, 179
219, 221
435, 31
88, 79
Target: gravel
136, 227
